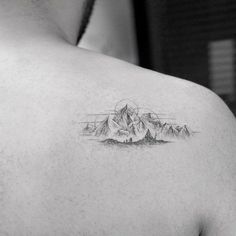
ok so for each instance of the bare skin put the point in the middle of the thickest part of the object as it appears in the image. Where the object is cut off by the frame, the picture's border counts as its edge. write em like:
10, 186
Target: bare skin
55, 182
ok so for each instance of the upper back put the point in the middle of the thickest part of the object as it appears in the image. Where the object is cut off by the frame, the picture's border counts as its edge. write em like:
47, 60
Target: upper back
92, 146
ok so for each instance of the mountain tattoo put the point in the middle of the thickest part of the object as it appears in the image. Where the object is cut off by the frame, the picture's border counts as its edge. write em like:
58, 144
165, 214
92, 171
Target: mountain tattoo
129, 125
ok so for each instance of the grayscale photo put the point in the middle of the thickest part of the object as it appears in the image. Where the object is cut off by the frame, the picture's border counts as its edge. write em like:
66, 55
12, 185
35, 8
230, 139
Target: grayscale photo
117, 118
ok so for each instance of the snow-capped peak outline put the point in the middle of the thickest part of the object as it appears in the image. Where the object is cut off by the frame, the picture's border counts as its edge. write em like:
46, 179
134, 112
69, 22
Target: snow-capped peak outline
128, 125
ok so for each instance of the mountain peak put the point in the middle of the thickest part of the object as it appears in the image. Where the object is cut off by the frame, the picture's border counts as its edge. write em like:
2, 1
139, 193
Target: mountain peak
124, 109
128, 122
148, 135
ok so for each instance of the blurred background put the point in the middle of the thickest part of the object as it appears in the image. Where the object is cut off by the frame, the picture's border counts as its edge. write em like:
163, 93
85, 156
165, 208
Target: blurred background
194, 40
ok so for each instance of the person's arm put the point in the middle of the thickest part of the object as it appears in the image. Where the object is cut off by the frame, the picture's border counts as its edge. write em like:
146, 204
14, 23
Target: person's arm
220, 189
221, 220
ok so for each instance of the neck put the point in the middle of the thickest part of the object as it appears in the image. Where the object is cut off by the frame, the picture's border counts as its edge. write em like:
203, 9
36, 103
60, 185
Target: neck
23, 22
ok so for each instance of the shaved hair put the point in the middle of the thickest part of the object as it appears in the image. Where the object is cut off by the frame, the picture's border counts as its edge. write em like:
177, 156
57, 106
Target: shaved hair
87, 12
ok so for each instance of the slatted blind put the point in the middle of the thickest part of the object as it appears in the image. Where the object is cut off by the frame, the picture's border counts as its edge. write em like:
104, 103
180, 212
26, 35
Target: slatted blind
221, 67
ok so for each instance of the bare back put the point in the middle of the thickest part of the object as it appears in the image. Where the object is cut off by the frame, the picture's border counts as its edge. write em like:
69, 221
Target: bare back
94, 146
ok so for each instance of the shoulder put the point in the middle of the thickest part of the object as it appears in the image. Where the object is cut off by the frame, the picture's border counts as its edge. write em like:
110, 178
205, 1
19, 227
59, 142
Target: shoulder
181, 94
181, 90
188, 101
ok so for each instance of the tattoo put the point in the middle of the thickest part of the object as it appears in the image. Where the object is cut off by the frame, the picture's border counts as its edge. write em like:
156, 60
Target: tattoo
130, 125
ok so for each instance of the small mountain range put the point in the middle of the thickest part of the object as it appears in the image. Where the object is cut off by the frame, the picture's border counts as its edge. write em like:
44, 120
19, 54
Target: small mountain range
128, 126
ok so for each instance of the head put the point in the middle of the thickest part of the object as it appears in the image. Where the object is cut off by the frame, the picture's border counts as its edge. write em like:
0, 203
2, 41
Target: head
73, 14
70, 17
87, 11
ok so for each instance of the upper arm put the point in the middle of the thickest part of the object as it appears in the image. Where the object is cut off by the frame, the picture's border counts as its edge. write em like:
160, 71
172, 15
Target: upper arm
219, 195
221, 220
214, 147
